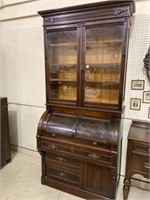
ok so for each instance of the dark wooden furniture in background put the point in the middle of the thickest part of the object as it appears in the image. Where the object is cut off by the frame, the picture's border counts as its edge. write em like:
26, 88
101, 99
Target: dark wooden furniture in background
79, 135
5, 155
138, 153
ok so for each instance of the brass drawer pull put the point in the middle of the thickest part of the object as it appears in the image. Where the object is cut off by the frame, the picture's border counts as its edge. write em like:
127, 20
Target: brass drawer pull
53, 135
94, 143
61, 159
147, 165
62, 174
93, 155
72, 148
52, 146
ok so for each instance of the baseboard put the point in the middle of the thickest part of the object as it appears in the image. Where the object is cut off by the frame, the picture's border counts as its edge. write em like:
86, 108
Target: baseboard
24, 150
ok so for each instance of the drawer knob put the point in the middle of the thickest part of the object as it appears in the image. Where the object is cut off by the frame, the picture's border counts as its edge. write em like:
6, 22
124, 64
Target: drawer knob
93, 155
53, 135
72, 148
62, 174
147, 165
94, 143
61, 159
52, 146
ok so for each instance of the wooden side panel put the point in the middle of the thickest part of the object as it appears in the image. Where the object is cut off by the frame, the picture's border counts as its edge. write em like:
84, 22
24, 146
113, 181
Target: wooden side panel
4, 133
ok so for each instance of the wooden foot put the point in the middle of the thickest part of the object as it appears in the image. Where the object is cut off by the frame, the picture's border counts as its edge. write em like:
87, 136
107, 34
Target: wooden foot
126, 188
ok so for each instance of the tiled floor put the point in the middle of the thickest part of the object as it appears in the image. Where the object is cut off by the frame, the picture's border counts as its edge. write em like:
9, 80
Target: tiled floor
20, 180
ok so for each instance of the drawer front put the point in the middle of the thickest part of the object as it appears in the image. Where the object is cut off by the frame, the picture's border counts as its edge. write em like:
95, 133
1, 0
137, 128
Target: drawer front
141, 147
62, 160
141, 164
62, 174
78, 152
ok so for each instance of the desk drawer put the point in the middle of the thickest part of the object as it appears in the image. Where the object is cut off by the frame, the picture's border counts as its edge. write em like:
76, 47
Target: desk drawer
79, 152
62, 160
143, 148
141, 164
61, 173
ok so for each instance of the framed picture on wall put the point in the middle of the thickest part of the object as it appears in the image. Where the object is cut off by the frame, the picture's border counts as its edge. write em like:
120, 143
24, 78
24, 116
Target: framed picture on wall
146, 97
149, 113
135, 104
137, 84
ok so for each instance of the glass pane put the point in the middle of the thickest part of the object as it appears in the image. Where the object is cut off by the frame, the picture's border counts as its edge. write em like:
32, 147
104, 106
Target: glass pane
103, 61
62, 47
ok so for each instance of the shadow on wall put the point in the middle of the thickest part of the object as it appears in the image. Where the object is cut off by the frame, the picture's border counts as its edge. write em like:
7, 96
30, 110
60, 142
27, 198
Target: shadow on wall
13, 127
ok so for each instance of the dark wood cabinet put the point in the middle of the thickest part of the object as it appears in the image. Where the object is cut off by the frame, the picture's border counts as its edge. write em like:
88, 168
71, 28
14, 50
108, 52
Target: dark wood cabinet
79, 135
5, 155
138, 153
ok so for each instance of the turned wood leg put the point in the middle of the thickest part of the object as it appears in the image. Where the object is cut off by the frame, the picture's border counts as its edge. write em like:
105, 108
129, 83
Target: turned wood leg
126, 188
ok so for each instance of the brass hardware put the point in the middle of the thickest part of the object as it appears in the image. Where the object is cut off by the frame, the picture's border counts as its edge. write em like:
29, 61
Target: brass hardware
82, 68
147, 165
52, 146
93, 155
94, 143
72, 148
53, 135
62, 174
61, 159
114, 178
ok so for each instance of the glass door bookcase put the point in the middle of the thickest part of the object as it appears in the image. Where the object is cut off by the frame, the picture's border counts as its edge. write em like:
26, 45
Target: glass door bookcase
79, 135
84, 64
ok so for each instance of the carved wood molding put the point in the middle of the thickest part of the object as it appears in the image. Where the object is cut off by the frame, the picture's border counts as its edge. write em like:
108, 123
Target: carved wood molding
121, 11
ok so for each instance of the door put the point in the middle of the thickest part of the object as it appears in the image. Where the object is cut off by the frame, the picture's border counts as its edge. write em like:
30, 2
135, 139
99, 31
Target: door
103, 64
99, 180
62, 62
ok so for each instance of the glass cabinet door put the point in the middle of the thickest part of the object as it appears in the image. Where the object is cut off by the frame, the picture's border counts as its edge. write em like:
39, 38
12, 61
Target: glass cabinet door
62, 61
103, 63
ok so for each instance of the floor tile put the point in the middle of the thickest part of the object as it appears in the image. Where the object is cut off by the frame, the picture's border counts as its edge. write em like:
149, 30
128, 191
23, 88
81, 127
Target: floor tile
66, 196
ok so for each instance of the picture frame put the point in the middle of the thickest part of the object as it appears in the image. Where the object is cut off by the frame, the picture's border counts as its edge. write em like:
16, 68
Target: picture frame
137, 84
146, 97
149, 113
135, 104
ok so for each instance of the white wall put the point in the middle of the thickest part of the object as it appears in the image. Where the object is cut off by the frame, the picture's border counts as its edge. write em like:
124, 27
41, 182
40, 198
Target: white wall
22, 77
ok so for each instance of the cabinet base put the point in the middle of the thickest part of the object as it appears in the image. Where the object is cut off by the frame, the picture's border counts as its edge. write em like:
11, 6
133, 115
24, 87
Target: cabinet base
71, 190
6, 160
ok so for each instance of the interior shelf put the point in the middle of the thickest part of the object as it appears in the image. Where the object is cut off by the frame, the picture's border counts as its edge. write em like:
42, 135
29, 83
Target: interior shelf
62, 45
106, 82
63, 64
105, 41
62, 80
90, 65
109, 42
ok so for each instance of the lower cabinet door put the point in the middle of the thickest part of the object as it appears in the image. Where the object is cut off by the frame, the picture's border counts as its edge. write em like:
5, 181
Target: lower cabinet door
99, 180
